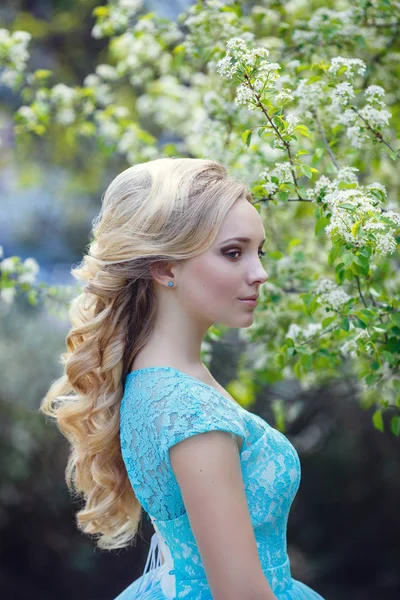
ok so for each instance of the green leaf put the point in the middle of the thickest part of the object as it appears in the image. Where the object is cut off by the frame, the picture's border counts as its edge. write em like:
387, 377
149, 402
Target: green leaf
395, 317
313, 79
328, 321
297, 370
101, 11
345, 324
344, 185
389, 357
277, 407
246, 136
283, 196
336, 251
303, 130
306, 170
377, 420
395, 425
359, 323
347, 205
320, 225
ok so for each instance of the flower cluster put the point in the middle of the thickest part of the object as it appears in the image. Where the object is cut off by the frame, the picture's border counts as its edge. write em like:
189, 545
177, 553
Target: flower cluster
140, 52
356, 217
295, 331
13, 56
15, 272
309, 96
359, 122
201, 38
350, 346
349, 67
330, 294
251, 68
280, 174
323, 25
115, 17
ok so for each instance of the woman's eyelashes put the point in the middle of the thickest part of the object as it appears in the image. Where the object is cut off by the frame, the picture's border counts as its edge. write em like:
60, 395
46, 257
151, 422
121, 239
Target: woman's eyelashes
261, 253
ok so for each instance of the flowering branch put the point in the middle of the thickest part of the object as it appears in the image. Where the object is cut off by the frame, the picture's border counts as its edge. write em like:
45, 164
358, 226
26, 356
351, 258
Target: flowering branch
376, 133
285, 143
326, 143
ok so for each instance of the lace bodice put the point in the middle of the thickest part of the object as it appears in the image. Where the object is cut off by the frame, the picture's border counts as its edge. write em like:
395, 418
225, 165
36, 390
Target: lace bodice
162, 406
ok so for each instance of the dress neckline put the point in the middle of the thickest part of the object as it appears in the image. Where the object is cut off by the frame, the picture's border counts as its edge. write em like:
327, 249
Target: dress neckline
186, 375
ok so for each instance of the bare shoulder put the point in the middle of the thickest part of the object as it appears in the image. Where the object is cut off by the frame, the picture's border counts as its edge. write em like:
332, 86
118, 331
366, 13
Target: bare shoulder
208, 470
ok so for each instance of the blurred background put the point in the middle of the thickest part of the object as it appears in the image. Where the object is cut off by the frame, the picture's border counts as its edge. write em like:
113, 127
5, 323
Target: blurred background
343, 531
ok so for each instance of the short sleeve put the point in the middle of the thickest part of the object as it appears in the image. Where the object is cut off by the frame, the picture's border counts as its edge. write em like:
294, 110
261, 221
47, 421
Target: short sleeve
170, 407
194, 409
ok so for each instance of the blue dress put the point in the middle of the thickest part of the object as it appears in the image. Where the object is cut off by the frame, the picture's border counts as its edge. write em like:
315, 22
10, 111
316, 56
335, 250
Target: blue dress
162, 406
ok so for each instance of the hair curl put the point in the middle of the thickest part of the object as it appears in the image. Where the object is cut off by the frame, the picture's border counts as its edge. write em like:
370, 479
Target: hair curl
169, 209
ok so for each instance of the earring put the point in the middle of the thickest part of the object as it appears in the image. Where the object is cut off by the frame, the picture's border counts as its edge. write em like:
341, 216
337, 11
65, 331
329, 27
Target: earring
170, 283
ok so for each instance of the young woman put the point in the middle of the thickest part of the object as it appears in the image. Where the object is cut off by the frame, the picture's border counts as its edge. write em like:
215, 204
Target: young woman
176, 247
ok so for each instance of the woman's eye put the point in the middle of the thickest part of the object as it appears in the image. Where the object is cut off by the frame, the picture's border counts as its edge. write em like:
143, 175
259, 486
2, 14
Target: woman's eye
261, 253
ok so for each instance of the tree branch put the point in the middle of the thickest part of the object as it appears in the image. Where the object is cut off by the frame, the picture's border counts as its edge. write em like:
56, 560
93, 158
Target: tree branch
326, 143
278, 134
376, 133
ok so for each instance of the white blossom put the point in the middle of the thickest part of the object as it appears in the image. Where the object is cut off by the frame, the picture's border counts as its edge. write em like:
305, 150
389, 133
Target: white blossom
322, 183
9, 77
27, 113
284, 95
347, 174
8, 295
374, 116
331, 294
121, 112
311, 329
239, 56
31, 270
373, 226
354, 65
8, 264
244, 95
292, 121
107, 72
309, 96
342, 93
385, 243
374, 91
63, 94
293, 331
283, 171
393, 216
65, 116
270, 187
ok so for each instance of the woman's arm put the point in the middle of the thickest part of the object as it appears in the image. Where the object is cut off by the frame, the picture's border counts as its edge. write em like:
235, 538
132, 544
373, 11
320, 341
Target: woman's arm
207, 468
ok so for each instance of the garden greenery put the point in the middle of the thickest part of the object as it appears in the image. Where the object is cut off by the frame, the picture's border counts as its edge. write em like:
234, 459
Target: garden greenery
299, 100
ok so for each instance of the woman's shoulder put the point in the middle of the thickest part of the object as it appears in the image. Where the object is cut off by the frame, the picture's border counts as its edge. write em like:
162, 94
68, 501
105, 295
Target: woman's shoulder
156, 382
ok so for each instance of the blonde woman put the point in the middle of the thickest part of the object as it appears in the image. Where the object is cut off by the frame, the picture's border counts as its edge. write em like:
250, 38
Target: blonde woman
176, 247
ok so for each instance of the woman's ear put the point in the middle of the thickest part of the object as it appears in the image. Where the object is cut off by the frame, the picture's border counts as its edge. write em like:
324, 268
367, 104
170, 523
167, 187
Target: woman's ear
163, 272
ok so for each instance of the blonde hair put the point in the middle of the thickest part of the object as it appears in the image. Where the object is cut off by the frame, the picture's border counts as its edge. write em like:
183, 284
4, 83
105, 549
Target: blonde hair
169, 209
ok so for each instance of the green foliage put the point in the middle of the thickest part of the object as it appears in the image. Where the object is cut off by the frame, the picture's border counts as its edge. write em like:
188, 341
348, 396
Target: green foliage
322, 167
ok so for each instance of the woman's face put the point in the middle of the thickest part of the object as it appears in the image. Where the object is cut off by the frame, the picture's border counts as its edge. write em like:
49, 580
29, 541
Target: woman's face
210, 286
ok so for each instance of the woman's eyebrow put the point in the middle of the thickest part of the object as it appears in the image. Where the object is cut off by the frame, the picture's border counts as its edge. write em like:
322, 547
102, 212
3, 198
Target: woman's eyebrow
245, 240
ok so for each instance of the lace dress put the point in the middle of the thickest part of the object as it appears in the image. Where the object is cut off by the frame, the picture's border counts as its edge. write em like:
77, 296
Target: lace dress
162, 406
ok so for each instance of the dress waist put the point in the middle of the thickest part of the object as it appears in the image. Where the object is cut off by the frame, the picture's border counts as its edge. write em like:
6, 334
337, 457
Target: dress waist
278, 577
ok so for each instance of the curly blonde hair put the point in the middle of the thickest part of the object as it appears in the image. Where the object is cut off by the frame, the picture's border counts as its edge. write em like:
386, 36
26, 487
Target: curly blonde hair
169, 209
